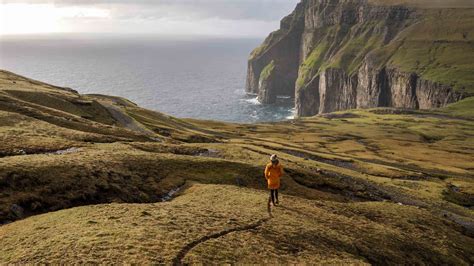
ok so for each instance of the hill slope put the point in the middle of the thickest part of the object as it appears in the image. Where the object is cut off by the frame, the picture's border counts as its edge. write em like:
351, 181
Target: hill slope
211, 223
335, 55
404, 174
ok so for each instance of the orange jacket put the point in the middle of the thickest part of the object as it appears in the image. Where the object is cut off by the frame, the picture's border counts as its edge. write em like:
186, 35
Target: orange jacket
273, 174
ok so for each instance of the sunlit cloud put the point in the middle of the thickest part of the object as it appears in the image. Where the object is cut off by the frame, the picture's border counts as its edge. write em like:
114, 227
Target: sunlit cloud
180, 17
43, 18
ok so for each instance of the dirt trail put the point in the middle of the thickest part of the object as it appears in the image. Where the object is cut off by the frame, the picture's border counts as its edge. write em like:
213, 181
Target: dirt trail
125, 120
22, 152
178, 259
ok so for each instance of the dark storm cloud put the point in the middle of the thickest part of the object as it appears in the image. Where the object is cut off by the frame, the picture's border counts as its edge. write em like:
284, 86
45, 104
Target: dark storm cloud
266, 10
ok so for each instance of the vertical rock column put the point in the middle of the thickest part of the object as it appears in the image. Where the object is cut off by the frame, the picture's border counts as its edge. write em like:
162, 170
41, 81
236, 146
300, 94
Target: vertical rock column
266, 84
337, 91
282, 50
372, 87
307, 99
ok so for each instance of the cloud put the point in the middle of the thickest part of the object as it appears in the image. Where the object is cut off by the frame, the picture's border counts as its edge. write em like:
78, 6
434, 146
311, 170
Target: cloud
254, 18
266, 10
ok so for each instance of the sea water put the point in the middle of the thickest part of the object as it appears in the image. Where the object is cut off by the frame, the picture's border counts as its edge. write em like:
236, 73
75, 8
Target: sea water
185, 77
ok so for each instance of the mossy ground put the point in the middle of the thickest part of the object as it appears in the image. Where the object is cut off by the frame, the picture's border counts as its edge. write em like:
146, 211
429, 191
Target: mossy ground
353, 180
426, 4
300, 231
462, 108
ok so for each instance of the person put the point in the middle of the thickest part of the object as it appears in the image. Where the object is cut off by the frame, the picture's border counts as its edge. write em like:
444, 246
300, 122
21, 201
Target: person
273, 173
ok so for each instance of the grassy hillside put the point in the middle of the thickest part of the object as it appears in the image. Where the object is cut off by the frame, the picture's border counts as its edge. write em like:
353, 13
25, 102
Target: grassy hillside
216, 223
439, 48
402, 178
427, 3
462, 108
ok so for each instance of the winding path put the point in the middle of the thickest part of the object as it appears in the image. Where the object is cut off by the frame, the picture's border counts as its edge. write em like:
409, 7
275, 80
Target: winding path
125, 120
178, 259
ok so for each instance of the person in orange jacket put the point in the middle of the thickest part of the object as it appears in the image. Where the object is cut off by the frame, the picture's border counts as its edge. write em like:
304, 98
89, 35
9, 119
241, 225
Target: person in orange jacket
273, 173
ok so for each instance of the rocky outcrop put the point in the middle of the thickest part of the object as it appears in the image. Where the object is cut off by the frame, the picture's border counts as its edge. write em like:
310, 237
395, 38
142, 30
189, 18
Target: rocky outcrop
337, 91
281, 47
433, 95
334, 55
333, 90
372, 87
267, 83
308, 101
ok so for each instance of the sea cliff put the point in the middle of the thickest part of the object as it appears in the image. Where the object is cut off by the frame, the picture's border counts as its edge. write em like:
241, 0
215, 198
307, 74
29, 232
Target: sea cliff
333, 55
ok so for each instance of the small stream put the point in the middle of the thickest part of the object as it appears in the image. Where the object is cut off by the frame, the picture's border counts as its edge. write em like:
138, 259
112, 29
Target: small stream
65, 151
169, 196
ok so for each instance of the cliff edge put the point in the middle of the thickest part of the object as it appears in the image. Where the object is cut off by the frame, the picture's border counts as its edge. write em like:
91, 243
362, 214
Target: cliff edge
334, 55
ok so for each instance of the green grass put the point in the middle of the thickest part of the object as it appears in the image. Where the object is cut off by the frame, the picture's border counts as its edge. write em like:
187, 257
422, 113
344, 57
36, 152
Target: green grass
267, 70
440, 49
353, 44
203, 218
311, 64
464, 108
351, 56
426, 4
271, 39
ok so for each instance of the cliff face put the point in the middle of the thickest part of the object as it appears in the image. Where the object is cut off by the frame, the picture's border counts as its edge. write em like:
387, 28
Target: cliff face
282, 51
342, 54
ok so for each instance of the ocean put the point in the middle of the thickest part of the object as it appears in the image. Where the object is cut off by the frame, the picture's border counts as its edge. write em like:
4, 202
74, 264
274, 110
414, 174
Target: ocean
188, 78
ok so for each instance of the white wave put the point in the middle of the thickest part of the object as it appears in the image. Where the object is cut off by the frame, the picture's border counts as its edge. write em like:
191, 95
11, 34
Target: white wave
293, 114
253, 101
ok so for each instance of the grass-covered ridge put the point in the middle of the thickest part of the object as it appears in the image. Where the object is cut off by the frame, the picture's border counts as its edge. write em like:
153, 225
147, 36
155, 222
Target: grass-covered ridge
440, 48
353, 180
268, 42
311, 64
267, 70
464, 108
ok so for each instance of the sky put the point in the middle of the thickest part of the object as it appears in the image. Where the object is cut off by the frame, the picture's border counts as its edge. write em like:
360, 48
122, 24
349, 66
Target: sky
229, 18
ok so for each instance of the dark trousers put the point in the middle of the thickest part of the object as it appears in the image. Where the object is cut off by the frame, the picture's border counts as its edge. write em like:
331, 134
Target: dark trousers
273, 195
